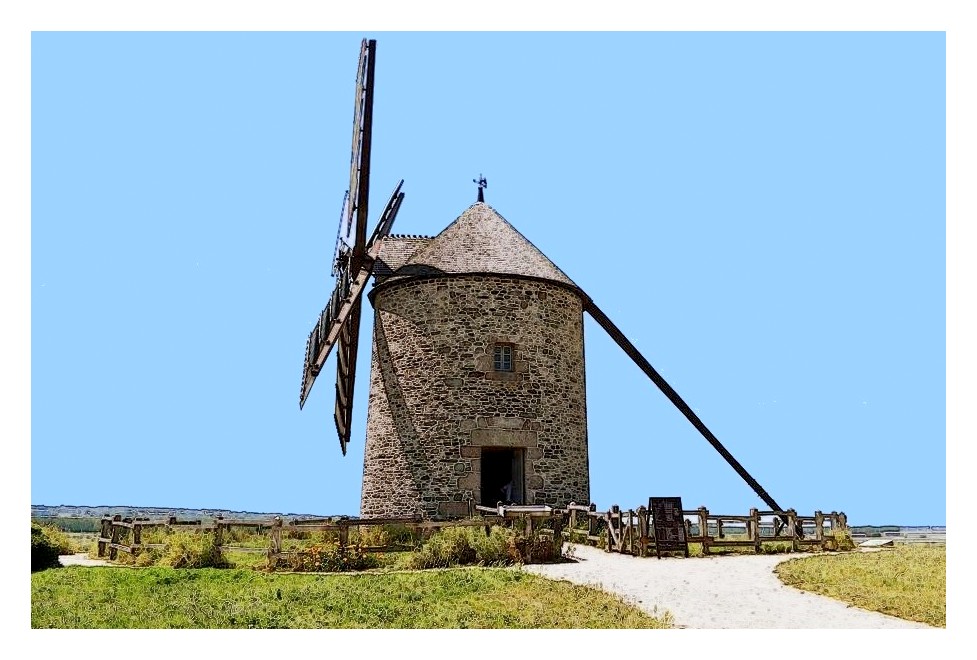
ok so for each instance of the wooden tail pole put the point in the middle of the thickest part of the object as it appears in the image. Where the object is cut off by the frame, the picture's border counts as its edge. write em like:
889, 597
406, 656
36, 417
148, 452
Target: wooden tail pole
673, 396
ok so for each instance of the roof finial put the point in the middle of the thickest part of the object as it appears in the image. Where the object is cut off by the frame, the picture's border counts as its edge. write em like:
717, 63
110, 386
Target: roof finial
482, 185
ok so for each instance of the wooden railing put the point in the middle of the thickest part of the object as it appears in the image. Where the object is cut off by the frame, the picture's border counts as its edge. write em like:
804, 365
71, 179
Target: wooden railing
421, 529
631, 531
125, 534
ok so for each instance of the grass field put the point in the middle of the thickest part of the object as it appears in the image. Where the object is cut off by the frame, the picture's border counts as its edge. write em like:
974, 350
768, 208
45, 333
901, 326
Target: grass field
908, 581
77, 597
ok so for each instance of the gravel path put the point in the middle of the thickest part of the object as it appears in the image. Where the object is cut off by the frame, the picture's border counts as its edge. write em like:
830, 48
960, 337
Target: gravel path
81, 560
733, 591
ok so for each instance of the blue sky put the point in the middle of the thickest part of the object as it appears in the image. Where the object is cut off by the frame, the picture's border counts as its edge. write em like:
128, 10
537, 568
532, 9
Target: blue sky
762, 214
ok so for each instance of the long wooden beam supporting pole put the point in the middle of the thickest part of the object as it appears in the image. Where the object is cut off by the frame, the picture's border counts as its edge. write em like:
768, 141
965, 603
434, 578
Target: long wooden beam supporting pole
673, 396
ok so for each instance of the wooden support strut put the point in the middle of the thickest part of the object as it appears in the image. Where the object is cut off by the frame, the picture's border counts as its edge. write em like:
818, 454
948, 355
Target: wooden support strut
676, 400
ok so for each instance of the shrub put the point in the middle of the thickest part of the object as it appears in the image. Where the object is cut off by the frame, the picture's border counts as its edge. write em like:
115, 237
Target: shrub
779, 547
459, 546
44, 550
58, 538
192, 550
385, 535
842, 539
329, 557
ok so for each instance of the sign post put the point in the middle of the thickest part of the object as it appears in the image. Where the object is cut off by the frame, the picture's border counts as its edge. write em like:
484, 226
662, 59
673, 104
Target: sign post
668, 524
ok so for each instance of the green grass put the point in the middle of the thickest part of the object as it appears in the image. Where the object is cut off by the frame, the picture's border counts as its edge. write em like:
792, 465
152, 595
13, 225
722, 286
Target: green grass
78, 597
908, 582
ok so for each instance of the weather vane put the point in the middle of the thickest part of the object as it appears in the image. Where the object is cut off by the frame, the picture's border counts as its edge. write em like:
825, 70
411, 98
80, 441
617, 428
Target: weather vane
482, 185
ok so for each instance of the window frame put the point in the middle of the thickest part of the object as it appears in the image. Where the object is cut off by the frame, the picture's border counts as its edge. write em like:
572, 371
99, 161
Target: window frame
503, 357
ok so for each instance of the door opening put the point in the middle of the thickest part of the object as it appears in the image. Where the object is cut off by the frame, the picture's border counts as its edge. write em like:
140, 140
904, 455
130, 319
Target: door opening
502, 476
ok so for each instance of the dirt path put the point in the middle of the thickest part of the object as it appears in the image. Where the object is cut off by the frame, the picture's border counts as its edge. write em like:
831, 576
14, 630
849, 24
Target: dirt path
738, 591
81, 560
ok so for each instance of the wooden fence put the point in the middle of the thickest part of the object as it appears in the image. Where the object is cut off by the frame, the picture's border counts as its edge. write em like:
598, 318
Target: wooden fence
125, 534
419, 528
631, 531
628, 532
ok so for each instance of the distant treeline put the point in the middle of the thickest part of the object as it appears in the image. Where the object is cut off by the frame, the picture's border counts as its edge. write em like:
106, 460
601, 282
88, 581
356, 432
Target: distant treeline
871, 530
70, 524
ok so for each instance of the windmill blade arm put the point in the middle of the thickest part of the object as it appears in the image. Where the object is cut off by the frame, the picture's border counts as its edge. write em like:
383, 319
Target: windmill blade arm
335, 315
319, 350
676, 400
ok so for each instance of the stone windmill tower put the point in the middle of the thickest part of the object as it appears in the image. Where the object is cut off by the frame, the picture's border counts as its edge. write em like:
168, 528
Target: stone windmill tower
477, 384
477, 376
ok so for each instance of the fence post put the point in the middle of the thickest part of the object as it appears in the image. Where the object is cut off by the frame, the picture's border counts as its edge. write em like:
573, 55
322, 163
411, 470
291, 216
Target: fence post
113, 551
104, 533
630, 531
792, 529
704, 528
614, 523
755, 529
643, 530
343, 535
592, 521
573, 518
819, 529
842, 520
275, 542
558, 534
136, 536
219, 532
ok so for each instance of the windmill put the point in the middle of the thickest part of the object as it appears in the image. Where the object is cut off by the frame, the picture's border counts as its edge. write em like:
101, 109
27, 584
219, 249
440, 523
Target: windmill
353, 260
477, 372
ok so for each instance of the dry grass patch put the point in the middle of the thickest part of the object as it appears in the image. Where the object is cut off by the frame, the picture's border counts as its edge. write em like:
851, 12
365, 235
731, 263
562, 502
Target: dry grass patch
908, 582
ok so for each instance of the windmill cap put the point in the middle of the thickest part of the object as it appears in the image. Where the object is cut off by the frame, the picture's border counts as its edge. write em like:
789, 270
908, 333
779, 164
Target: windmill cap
482, 241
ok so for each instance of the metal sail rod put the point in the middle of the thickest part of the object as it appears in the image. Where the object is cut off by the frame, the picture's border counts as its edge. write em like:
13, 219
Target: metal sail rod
673, 396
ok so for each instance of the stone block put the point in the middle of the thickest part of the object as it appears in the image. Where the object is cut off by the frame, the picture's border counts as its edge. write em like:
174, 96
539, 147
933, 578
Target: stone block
453, 509
469, 481
504, 422
503, 438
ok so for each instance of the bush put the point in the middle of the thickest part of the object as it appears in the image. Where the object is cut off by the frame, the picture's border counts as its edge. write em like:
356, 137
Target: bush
148, 557
192, 550
842, 539
330, 557
44, 550
459, 546
385, 535
57, 537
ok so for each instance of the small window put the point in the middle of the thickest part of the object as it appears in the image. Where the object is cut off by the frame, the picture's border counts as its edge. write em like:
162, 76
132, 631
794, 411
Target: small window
502, 360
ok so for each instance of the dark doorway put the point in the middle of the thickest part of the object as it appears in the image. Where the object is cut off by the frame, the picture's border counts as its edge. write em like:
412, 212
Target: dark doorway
501, 467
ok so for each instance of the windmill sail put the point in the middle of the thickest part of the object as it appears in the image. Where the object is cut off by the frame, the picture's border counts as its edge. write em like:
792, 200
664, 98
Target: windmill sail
343, 303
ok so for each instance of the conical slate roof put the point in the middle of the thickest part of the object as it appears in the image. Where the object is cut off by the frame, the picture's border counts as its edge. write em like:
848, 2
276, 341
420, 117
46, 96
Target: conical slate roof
481, 241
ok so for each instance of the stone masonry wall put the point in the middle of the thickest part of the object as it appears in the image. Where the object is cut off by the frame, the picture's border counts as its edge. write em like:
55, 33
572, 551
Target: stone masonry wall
435, 400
